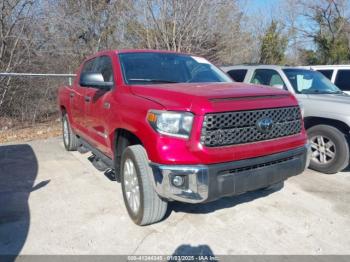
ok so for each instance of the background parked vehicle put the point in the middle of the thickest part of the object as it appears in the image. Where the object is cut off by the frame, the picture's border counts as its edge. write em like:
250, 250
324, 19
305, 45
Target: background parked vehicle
174, 127
338, 74
326, 109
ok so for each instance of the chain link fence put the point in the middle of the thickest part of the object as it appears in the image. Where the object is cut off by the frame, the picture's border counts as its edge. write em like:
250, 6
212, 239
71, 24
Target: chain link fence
27, 98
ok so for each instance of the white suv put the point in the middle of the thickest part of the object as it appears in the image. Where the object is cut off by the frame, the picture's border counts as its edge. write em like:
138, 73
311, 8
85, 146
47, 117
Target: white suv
326, 109
338, 74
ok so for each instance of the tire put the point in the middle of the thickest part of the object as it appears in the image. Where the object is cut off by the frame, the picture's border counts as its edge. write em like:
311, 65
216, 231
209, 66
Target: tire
329, 149
151, 208
70, 140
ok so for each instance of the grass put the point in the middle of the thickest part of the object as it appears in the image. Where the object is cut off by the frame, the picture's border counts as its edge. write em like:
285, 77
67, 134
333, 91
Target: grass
43, 130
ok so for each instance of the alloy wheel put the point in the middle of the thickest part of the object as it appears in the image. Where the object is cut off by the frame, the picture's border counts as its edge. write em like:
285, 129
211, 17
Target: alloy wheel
323, 149
131, 185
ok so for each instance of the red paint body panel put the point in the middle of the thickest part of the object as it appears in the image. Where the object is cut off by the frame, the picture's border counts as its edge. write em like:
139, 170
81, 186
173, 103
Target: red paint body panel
129, 106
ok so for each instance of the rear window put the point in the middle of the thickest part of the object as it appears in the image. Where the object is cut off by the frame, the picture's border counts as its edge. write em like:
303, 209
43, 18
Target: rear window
326, 73
343, 80
237, 75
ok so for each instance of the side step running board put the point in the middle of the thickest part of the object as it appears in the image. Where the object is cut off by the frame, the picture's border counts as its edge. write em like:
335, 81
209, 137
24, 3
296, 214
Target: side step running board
100, 161
82, 149
105, 159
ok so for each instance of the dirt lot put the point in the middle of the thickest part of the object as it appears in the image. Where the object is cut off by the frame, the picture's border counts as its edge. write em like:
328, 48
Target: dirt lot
55, 202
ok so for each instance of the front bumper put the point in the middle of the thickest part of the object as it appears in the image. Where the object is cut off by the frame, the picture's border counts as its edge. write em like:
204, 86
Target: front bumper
204, 183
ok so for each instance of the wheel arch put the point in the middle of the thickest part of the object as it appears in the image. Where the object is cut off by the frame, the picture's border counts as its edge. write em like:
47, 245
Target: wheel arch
313, 121
122, 139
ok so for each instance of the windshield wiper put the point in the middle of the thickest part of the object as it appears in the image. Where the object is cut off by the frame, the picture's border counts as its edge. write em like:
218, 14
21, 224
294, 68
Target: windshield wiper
337, 92
310, 92
152, 80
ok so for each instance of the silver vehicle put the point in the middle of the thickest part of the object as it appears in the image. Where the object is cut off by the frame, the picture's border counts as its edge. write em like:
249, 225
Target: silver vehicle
326, 109
338, 74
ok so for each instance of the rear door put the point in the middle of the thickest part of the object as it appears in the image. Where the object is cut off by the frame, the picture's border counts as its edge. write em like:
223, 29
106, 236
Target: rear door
98, 107
77, 100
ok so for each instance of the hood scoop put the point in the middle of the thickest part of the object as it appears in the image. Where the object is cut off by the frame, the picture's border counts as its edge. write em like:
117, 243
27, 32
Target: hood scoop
244, 98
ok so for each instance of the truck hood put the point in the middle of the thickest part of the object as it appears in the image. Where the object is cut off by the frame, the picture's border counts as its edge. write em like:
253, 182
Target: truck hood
205, 97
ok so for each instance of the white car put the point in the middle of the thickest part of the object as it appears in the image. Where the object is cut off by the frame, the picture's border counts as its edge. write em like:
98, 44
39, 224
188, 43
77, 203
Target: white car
338, 74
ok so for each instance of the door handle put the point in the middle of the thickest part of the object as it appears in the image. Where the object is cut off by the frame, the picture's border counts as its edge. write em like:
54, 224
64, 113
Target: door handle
87, 99
71, 94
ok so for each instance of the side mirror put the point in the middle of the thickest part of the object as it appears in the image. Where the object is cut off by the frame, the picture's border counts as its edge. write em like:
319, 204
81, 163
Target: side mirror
95, 80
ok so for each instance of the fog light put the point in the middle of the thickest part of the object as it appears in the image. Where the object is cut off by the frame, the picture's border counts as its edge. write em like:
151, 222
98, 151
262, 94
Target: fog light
178, 181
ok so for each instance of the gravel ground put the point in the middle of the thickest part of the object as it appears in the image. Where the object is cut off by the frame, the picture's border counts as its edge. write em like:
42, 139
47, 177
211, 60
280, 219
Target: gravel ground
56, 202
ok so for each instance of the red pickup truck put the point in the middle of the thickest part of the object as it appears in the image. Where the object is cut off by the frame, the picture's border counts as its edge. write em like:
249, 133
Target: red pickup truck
173, 126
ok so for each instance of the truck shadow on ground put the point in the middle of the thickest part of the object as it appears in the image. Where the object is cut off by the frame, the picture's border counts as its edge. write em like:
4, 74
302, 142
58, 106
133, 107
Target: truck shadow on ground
226, 202
18, 171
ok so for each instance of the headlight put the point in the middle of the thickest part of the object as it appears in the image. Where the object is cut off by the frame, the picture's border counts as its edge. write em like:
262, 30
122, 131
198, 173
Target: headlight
178, 124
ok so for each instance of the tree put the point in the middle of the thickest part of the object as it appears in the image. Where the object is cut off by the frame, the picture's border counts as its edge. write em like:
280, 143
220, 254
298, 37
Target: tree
17, 44
273, 45
331, 31
308, 57
211, 28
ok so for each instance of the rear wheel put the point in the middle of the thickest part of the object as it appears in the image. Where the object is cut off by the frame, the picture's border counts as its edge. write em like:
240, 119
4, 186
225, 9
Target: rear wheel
70, 140
329, 149
141, 200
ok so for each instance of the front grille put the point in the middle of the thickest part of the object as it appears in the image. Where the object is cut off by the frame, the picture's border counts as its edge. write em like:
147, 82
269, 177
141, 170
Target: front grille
232, 128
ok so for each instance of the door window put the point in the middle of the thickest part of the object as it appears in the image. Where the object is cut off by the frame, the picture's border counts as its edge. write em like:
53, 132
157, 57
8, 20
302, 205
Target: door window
237, 75
104, 67
101, 65
267, 77
343, 80
88, 66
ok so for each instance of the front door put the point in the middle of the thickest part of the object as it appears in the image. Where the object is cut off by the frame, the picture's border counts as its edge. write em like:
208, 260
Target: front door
98, 107
78, 101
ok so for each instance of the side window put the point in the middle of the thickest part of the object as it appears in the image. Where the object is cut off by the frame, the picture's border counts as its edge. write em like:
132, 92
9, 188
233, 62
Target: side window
104, 67
88, 66
326, 73
267, 77
201, 72
237, 75
343, 80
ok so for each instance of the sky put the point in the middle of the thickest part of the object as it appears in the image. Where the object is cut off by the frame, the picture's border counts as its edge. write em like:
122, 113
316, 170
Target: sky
254, 6
266, 10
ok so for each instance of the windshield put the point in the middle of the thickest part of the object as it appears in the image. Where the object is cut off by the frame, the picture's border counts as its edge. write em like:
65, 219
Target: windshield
157, 68
310, 82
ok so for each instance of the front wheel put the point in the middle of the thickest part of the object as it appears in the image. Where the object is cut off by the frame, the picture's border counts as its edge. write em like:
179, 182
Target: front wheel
141, 200
329, 149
